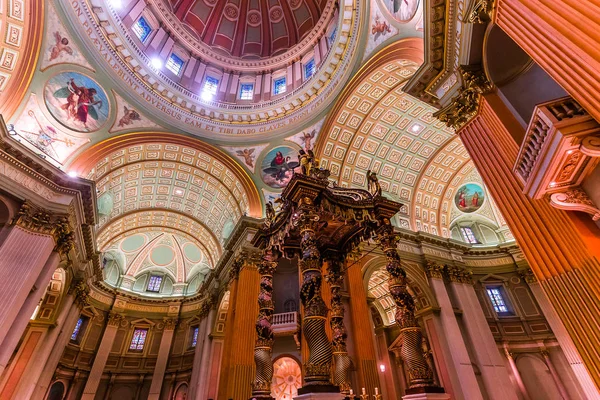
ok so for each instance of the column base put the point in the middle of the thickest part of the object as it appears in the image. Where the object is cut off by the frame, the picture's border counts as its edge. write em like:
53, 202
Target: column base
322, 389
319, 396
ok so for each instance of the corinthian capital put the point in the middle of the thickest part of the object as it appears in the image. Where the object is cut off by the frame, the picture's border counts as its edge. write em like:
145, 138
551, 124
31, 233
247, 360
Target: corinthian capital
465, 105
114, 319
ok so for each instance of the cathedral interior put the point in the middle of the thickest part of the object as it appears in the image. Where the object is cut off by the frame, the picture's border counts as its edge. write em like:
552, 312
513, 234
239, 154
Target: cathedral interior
299, 199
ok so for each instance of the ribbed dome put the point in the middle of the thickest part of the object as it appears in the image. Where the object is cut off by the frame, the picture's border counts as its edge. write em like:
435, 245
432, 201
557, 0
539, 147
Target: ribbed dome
250, 28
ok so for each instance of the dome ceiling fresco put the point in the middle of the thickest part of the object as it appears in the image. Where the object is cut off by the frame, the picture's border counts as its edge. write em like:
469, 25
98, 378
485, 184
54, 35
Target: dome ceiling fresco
175, 172
250, 28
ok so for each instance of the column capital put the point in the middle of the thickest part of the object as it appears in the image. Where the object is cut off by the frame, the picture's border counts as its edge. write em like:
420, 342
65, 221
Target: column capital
465, 105
433, 270
114, 319
39, 220
459, 275
170, 323
81, 292
528, 275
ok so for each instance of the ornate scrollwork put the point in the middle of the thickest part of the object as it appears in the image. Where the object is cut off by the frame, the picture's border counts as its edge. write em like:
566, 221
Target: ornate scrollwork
480, 12
433, 270
465, 106
575, 199
170, 323
38, 220
114, 319
459, 274
81, 292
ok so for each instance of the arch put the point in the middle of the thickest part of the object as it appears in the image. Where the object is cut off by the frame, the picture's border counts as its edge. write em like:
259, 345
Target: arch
56, 391
181, 391
537, 377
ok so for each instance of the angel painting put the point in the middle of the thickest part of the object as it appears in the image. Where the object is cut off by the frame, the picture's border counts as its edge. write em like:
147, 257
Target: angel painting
248, 155
129, 116
62, 44
307, 138
76, 101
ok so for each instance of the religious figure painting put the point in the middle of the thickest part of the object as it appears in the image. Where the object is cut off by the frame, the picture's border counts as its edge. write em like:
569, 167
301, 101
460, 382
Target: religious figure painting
402, 10
278, 166
76, 101
469, 198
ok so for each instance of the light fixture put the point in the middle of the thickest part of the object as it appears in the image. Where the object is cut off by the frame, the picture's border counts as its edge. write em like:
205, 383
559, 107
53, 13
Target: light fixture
72, 174
382, 367
116, 4
552, 184
178, 191
415, 128
206, 95
569, 151
156, 63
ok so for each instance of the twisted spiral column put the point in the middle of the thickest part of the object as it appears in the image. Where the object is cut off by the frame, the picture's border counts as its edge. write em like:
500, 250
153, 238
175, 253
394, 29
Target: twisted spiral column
261, 387
318, 367
341, 360
420, 375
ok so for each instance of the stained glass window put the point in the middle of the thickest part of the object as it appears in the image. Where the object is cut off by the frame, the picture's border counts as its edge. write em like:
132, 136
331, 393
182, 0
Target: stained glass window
138, 339
497, 299
309, 69
210, 86
77, 329
279, 86
174, 64
246, 91
142, 29
195, 336
331, 37
468, 235
154, 283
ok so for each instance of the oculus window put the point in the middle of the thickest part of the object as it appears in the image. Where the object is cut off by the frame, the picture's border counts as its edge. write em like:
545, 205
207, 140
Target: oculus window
142, 29
279, 86
154, 283
174, 64
138, 340
246, 91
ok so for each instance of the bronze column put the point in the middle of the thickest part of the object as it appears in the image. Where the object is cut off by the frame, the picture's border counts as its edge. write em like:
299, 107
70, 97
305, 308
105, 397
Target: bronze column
342, 362
420, 375
317, 367
261, 388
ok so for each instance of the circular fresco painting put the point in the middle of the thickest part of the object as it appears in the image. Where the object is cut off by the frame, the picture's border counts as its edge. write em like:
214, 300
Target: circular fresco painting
76, 101
402, 10
287, 378
278, 166
469, 198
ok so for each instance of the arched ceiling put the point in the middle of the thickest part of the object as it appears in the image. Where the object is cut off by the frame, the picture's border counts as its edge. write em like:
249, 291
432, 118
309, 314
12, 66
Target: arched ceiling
250, 28
167, 183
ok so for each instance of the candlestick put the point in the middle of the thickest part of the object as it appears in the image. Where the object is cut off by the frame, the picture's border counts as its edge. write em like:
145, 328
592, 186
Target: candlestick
364, 391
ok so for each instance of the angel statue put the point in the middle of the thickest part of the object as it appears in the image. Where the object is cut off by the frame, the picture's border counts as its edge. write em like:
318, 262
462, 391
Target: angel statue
373, 184
270, 210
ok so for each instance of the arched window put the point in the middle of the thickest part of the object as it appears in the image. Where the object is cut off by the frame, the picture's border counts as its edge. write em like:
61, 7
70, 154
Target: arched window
57, 391
290, 305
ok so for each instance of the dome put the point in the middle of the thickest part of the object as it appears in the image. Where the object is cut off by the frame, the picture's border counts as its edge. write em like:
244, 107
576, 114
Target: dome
250, 28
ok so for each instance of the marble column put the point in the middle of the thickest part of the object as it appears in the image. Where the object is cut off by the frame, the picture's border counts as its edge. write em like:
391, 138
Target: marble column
317, 367
203, 332
562, 336
34, 235
19, 323
237, 370
459, 367
203, 381
163, 357
516, 373
48, 354
362, 333
485, 351
555, 376
93, 381
420, 375
562, 38
261, 387
561, 248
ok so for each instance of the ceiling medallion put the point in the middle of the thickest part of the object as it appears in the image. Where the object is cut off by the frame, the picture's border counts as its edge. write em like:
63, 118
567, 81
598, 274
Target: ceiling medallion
254, 18
231, 12
276, 14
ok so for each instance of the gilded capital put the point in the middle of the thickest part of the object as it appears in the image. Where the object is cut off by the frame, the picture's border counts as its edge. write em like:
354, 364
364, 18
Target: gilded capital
459, 274
528, 276
81, 292
433, 270
114, 319
170, 323
465, 105
38, 220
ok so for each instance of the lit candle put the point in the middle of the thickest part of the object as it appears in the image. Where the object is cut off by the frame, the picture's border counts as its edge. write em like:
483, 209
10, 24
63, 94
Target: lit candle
351, 392
364, 391
376, 390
